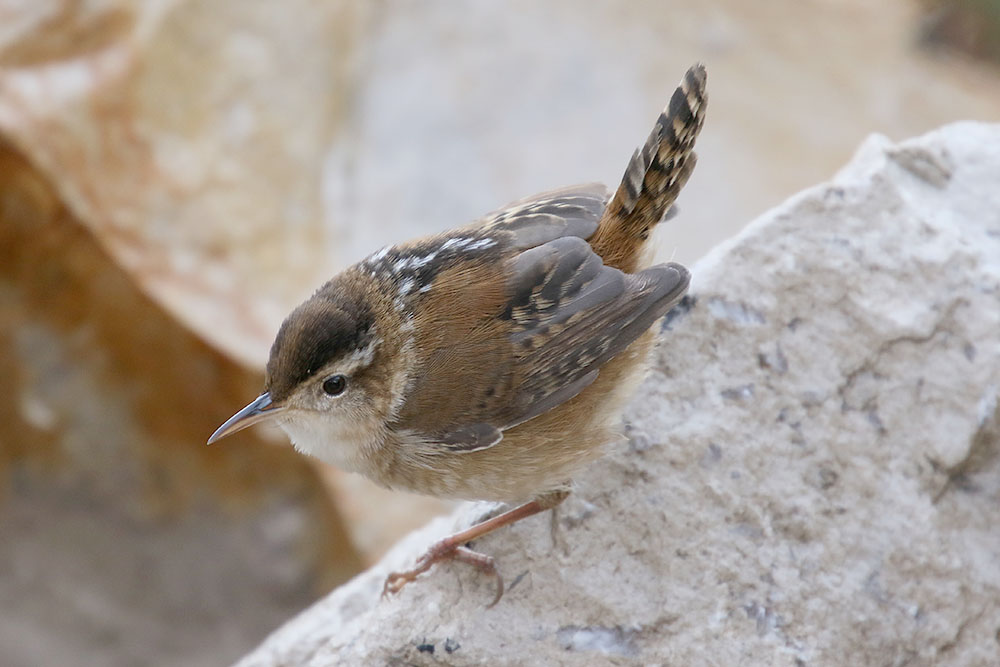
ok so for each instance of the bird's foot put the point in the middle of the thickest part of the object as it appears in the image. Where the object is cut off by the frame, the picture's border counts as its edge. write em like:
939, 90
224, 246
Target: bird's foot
453, 547
446, 549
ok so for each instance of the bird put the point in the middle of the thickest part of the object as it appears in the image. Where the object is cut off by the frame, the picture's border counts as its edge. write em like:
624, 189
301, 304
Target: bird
490, 362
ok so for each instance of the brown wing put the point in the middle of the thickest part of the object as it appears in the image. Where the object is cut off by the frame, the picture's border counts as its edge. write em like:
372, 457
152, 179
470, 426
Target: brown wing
571, 315
560, 315
463, 345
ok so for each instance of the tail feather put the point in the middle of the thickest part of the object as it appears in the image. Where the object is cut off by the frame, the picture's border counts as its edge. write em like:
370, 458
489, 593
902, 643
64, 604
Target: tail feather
654, 176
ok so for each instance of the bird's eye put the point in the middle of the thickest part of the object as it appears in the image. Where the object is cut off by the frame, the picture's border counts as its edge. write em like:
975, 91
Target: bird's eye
334, 385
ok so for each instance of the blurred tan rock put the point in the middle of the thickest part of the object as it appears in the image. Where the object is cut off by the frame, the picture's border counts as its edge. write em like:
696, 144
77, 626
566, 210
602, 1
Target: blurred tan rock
126, 540
189, 137
812, 473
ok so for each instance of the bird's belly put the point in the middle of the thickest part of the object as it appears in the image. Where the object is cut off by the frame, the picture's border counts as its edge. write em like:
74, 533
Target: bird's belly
539, 455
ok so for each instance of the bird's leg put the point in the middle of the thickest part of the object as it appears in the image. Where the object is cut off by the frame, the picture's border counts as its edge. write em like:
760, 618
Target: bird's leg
452, 547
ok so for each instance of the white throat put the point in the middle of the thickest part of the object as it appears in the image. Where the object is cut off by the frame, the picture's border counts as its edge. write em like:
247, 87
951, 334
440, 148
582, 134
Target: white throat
346, 446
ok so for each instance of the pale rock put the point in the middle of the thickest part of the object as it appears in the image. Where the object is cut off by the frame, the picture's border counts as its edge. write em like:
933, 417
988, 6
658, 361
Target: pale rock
812, 475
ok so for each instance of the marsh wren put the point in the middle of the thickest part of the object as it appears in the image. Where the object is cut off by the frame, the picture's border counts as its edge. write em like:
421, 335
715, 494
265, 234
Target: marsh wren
489, 362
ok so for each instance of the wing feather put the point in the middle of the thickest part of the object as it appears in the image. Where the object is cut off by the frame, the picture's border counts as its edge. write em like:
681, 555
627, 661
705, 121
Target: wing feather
577, 318
529, 222
568, 314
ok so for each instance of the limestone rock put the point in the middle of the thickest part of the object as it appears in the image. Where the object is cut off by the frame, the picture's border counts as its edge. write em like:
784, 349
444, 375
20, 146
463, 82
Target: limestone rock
812, 471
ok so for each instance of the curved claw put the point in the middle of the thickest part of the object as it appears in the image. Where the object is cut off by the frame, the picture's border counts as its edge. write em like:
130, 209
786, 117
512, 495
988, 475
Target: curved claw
483, 563
444, 550
394, 583
452, 547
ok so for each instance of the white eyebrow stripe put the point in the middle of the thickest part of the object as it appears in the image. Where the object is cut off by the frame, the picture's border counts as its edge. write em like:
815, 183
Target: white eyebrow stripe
358, 359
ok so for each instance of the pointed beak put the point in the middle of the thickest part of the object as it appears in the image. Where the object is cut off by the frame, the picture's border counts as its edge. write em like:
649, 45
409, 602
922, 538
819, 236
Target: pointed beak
262, 408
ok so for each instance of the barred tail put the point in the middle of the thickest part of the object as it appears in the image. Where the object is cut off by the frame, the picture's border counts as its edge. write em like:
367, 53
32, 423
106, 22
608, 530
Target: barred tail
654, 176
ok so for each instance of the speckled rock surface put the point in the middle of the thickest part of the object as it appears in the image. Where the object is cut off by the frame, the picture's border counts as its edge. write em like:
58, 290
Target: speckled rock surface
812, 471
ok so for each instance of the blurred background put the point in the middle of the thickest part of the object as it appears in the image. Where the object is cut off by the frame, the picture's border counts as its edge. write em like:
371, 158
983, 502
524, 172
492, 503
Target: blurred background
176, 175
